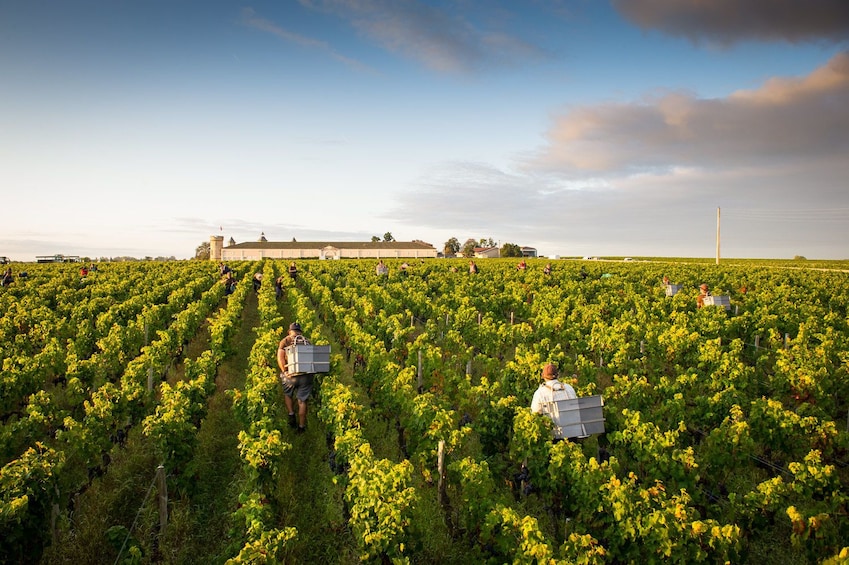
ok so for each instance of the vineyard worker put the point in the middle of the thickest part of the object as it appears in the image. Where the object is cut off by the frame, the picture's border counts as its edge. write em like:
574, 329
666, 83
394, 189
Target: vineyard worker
257, 281
703, 291
7, 277
229, 283
297, 386
549, 391
278, 287
473, 269
293, 270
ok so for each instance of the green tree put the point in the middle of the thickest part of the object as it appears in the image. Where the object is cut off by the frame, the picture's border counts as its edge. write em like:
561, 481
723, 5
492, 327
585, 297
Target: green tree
487, 242
388, 237
202, 251
452, 247
511, 250
375, 239
469, 248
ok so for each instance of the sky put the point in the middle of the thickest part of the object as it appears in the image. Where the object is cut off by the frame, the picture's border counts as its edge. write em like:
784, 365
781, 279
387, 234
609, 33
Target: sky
579, 127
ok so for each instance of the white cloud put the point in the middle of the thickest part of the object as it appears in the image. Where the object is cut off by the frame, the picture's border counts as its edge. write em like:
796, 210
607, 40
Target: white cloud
646, 178
784, 119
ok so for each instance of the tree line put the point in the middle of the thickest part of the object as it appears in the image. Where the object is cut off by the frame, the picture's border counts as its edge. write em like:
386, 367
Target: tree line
452, 247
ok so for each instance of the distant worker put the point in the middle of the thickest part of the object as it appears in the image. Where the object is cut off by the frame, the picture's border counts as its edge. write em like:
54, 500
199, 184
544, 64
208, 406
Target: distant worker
665, 280
7, 277
703, 292
473, 268
229, 283
381, 269
83, 271
547, 269
521, 266
403, 268
278, 287
223, 269
294, 386
257, 281
551, 390
293, 271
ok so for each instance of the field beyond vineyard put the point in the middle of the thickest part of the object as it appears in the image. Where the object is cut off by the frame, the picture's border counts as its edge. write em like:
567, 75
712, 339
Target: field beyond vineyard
142, 389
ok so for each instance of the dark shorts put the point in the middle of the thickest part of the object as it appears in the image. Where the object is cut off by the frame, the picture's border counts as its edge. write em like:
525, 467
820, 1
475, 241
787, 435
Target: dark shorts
299, 386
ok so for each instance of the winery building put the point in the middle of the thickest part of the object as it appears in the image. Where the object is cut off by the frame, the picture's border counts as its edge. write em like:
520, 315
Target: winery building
264, 249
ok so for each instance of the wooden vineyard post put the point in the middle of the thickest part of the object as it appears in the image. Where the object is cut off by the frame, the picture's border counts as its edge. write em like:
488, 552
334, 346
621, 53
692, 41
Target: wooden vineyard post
757, 341
469, 367
440, 465
54, 518
419, 371
786, 340
162, 492
511, 318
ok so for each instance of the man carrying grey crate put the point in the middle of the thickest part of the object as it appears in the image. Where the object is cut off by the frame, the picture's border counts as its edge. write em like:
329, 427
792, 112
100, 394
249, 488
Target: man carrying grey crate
550, 391
294, 386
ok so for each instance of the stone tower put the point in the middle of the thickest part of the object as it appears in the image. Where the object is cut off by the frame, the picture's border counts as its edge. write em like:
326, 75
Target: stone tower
216, 244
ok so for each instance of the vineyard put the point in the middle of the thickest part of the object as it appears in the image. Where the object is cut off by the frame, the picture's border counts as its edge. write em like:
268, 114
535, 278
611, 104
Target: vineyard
142, 419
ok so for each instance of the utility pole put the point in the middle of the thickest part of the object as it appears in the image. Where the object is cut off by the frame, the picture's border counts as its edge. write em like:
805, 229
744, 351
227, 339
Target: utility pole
717, 235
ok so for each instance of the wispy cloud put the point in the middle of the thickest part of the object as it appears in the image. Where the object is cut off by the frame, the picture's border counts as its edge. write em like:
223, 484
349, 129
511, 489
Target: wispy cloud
250, 18
243, 230
730, 21
441, 41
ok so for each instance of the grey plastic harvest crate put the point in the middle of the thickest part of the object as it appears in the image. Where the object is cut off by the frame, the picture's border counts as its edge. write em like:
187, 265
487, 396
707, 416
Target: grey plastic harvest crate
302, 359
673, 289
724, 301
578, 417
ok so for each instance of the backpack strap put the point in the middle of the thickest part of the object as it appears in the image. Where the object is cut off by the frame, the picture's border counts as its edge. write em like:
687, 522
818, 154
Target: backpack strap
559, 387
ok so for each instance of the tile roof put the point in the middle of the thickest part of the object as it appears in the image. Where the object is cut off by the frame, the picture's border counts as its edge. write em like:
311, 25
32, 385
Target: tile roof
336, 244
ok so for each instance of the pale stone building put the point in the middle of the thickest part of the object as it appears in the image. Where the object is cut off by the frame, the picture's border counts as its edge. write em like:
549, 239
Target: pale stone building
264, 249
487, 253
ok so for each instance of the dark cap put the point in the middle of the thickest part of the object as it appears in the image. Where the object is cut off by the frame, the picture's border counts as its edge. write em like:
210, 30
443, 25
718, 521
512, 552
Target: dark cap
295, 326
549, 371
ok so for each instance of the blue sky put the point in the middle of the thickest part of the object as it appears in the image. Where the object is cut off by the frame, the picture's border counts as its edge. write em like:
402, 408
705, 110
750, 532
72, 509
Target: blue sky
577, 127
